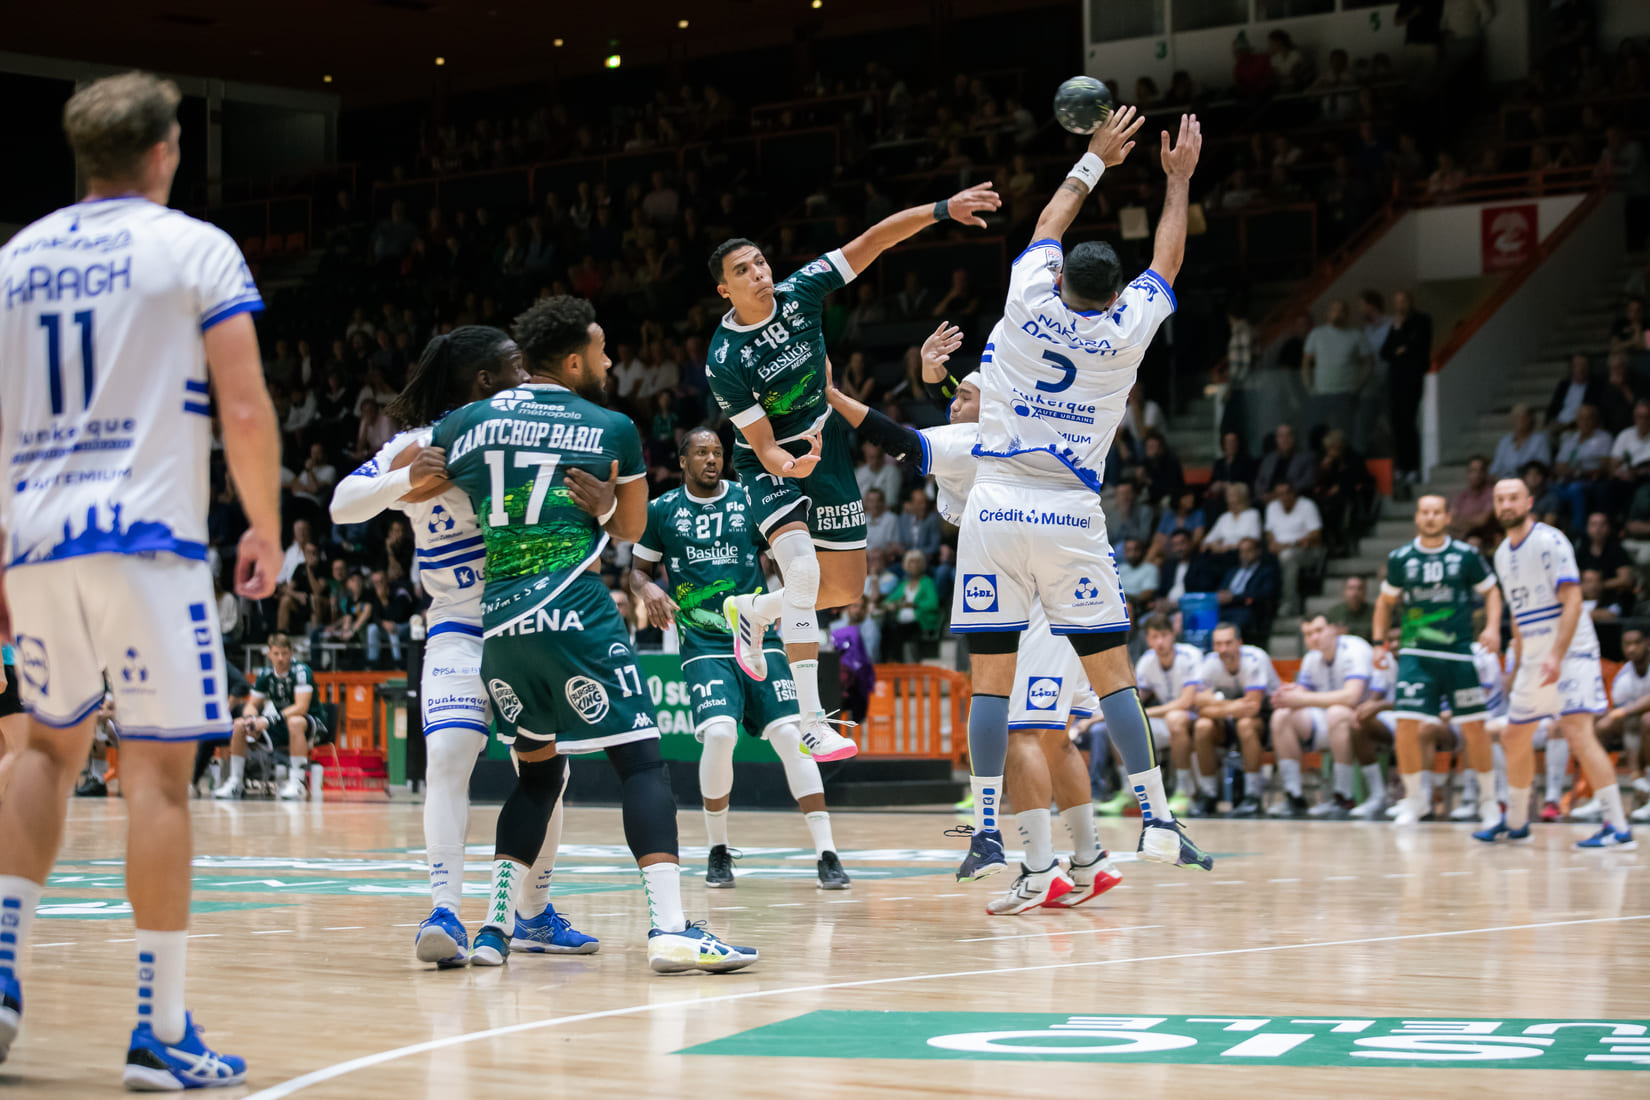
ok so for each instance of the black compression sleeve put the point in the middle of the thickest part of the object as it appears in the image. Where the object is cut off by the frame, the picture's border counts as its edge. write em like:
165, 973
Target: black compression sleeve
902, 444
945, 389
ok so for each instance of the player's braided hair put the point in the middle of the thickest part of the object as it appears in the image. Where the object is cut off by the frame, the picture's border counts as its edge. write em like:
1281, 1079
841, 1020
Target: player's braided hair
441, 379
553, 328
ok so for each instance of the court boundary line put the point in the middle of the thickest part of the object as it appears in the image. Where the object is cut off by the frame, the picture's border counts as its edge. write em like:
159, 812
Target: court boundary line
368, 1061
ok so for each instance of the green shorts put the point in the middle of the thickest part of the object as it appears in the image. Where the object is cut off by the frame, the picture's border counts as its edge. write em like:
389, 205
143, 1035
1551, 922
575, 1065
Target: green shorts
719, 689
1430, 686
568, 675
827, 500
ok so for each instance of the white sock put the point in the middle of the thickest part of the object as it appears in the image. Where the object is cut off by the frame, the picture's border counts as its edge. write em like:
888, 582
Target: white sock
716, 827
1500, 771
1254, 785
1037, 834
1558, 765
1343, 779
988, 795
1184, 784
1375, 781
450, 757
1469, 787
819, 827
662, 883
19, 897
1486, 786
1085, 841
1208, 786
446, 875
1416, 791
99, 768
534, 892
161, 959
298, 767
237, 769
1148, 789
806, 674
507, 876
768, 606
1290, 771
1614, 815
1518, 807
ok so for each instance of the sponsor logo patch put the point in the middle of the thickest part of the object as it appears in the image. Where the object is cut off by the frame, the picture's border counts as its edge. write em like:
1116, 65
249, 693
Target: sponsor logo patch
588, 698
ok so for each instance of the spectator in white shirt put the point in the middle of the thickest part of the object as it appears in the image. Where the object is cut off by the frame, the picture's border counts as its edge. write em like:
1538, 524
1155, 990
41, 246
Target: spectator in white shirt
315, 481
878, 473
880, 524
1629, 460
1238, 522
629, 375
1520, 446
1294, 532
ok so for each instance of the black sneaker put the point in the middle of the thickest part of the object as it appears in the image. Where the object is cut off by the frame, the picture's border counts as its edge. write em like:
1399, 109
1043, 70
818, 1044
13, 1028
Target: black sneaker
1293, 805
1207, 805
91, 787
1249, 807
831, 874
719, 868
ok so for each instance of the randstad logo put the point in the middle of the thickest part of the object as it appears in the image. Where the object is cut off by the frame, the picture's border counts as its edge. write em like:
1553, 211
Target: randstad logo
980, 591
1043, 693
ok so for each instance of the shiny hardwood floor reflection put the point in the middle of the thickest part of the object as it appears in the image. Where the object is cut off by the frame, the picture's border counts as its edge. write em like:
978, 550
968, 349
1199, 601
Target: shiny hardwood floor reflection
303, 964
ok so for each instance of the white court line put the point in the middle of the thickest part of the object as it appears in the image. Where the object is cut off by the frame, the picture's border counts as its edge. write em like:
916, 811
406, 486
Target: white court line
1228, 882
903, 897
205, 935
1275, 880
1079, 932
1447, 874
133, 939
951, 895
298, 1084
275, 932
1341, 878
787, 905
64, 943
729, 908
345, 928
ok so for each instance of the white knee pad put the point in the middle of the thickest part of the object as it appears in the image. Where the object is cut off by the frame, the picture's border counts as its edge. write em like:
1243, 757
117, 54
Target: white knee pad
801, 773
799, 565
719, 737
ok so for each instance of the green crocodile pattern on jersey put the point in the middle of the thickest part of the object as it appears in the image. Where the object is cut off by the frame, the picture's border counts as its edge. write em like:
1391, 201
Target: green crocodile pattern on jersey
708, 551
1440, 594
280, 690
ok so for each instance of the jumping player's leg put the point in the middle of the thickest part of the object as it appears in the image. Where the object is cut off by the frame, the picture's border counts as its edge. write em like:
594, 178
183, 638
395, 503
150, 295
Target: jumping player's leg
1030, 789
1069, 781
991, 659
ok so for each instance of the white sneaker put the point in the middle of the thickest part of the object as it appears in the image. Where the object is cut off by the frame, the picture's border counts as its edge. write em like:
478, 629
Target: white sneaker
293, 790
1406, 816
1588, 811
1490, 812
1466, 811
748, 631
1323, 809
1031, 890
1641, 815
228, 789
1394, 810
1371, 809
1642, 784
822, 742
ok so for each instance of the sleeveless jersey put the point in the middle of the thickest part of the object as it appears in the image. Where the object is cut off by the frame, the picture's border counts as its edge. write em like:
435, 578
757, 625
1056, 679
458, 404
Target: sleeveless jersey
510, 455
1440, 587
108, 425
1531, 574
1056, 381
708, 549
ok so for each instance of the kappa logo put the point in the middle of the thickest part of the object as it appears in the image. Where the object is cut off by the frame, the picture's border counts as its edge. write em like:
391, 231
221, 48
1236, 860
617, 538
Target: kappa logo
510, 400
505, 698
588, 698
980, 591
1043, 693
641, 722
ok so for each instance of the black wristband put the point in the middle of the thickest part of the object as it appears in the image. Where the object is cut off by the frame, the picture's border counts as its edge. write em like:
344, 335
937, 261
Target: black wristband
942, 210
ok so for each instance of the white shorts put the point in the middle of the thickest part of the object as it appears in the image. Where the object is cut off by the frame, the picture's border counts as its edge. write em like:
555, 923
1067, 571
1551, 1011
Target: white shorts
151, 622
1319, 740
450, 692
1050, 686
1388, 720
1579, 690
1023, 545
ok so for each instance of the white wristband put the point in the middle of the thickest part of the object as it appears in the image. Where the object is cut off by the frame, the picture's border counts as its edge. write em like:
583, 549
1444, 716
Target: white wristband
1089, 169
601, 520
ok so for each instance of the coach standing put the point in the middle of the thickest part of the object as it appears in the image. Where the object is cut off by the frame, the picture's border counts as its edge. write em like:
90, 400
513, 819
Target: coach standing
1408, 351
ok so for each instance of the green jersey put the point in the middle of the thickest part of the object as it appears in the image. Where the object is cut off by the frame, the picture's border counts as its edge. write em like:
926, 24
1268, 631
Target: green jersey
510, 454
282, 691
1440, 588
708, 547
776, 368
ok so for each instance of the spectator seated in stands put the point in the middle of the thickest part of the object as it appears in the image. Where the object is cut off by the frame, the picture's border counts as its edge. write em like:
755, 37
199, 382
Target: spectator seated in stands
1287, 461
1172, 571
918, 526
1596, 603
1472, 512
1129, 517
1599, 550
858, 662
1138, 578
1236, 679
1234, 466
876, 472
1520, 446
1294, 536
1182, 514
1629, 462
1316, 713
881, 527
352, 611
1572, 392
1141, 416
395, 603
1545, 505
1160, 469
1290, 67
1239, 521
912, 611
1627, 334
1248, 593
1580, 466
1354, 615
1621, 392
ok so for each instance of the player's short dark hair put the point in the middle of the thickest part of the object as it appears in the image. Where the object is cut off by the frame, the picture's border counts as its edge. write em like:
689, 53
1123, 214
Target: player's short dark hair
721, 251
687, 440
1092, 272
1224, 625
1159, 623
112, 123
441, 379
553, 328
278, 641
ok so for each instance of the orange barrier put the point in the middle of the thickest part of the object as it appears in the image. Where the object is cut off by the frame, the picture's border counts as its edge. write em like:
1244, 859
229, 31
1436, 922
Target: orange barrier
907, 711
359, 758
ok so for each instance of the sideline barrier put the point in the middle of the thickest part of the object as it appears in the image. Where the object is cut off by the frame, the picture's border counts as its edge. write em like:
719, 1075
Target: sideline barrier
908, 713
358, 757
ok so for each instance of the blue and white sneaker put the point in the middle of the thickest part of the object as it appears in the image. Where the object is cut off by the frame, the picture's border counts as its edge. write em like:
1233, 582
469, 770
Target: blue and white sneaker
694, 948
492, 948
1499, 831
154, 1066
442, 940
1609, 838
1167, 842
985, 854
11, 1013
549, 933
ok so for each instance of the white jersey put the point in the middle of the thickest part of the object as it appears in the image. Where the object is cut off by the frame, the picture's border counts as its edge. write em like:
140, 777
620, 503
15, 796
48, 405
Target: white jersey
1531, 574
447, 537
1056, 381
1629, 686
100, 458
948, 454
1167, 683
1254, 673
1354, 660
1385, 675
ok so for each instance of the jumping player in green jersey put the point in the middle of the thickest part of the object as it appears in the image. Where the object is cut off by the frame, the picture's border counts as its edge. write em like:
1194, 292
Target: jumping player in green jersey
703, 535
552, 476
766, 367
1441, 581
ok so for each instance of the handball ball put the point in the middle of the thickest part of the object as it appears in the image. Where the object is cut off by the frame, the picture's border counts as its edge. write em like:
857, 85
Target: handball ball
1082, 104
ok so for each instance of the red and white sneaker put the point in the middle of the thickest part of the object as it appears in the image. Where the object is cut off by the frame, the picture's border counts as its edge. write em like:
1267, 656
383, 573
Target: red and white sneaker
1088, 880
1551, 812
748, 632
1031, 890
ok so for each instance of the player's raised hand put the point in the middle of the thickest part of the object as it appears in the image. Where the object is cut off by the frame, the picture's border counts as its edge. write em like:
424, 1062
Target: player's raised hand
941, 344
661, 609
1111, 142
1179, 161
592, 494
257, 564
966, 206
802, 467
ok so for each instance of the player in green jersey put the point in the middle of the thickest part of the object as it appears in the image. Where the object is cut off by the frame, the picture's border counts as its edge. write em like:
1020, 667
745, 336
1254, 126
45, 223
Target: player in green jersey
1441, 581
703, 535
280, 702
766, 368
552, 476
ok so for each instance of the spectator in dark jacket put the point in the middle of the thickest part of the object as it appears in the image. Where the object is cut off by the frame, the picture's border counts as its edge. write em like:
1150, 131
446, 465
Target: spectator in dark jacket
1408, 353
1576, 389
1233, 467
1286, 462
1248, 592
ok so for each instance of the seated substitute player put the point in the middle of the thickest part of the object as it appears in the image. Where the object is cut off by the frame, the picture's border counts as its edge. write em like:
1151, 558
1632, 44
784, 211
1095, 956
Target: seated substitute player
703, 535
1629, 700
1237, 682
1169, 674
766, 367
552, 476
1315, 714
1057, 373
282, 693
1372, 726
471, 363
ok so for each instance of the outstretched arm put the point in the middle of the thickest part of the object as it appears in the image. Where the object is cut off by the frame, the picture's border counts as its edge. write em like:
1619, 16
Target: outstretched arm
1108, 146
964, 207
1169, 250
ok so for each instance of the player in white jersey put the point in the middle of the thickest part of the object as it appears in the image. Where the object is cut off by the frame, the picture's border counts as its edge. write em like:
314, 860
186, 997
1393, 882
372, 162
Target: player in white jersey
1316, 714
1057, 372
1558, 667
1050, 687
471, 363
1374, 724
1629, 701
1170, 672
116, 312
1237, 681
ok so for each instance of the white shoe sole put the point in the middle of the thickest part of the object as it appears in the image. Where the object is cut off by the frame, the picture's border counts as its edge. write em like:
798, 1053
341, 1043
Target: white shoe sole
681, 960
843, 751
752, 664
834, 885
146, 1079
728, 885
534, 947
436, 946
487, 956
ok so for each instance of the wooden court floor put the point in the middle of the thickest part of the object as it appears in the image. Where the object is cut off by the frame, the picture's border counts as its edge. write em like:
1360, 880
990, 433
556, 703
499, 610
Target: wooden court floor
1317, 959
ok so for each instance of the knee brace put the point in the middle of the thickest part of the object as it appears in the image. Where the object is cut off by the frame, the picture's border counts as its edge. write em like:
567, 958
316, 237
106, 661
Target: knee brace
720, 736
801, 772
799, 565
649, 805
526, 813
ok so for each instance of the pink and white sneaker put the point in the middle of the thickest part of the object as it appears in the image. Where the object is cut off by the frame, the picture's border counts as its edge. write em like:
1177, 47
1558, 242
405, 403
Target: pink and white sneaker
748, 632
822, 742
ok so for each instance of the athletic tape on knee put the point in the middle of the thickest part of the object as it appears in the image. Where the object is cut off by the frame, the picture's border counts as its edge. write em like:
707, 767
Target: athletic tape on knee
988, 734
799, 565
801, 773
720, 737
1127, 724
525, 816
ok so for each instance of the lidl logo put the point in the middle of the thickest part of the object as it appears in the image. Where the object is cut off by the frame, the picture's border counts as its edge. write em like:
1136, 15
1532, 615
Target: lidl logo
1043, 693
980, 591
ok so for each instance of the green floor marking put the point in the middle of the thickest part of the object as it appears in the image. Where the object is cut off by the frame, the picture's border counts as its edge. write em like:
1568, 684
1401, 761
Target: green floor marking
1200, 1040
325, 886
53, 907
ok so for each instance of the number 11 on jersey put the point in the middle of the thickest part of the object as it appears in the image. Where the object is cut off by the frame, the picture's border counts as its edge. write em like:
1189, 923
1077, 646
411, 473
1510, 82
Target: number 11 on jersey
53, 324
